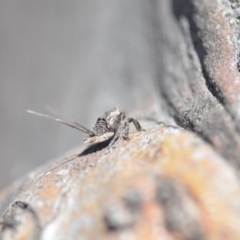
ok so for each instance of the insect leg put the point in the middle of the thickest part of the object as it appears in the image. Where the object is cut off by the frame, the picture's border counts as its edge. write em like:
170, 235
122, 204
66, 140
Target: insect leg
125, 130
135, 122
113, 141
116, 136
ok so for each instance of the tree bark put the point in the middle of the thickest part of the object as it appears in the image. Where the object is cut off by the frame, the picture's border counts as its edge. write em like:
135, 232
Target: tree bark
198, 69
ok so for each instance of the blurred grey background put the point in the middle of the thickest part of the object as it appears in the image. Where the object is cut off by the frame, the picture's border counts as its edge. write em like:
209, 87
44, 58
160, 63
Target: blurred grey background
80, 57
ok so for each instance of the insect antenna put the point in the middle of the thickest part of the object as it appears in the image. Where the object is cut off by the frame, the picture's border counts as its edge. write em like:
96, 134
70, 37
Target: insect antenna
78, 127
56, 113
87, 130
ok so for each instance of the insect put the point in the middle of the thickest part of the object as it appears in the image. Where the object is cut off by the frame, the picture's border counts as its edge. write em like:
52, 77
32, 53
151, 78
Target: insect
112, 125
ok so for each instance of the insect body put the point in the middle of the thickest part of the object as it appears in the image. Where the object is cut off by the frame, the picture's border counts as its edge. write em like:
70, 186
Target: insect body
112, 125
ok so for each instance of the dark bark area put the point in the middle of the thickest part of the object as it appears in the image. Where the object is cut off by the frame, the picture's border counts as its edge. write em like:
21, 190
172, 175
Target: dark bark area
198, 69
180, 59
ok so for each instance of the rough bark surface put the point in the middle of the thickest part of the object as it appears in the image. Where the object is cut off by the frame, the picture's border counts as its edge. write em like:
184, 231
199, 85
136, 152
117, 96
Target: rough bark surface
198, 70
162, 184
165, 183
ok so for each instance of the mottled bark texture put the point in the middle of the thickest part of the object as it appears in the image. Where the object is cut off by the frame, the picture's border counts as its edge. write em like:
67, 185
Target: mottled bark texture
198, 42
165, 183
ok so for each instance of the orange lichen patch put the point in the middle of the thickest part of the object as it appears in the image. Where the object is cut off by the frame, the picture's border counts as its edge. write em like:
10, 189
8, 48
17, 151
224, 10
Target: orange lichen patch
163, 184
46, 213
225, 69
50, 192
220, 43
170, 154
202, 179
151, 224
